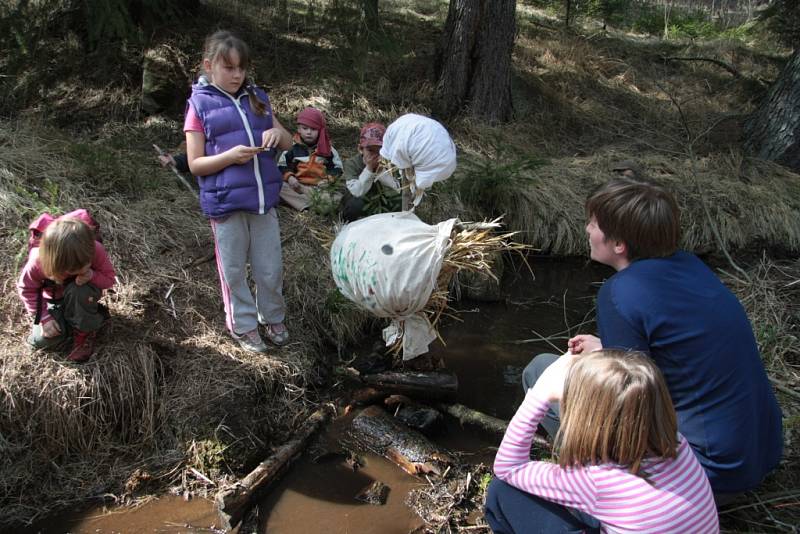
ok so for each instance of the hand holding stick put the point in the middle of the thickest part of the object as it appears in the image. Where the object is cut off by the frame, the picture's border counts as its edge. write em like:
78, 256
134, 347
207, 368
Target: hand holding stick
177, 172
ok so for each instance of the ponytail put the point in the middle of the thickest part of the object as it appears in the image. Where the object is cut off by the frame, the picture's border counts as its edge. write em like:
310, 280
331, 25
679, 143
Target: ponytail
258, 105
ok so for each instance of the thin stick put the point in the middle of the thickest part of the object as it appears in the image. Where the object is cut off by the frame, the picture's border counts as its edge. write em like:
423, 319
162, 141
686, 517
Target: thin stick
542, 338
784, 387
690, 140
177, 173
760, 503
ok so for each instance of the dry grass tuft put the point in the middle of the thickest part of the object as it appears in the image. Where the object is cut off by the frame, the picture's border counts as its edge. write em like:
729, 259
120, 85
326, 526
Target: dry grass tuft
752, 202
771, 300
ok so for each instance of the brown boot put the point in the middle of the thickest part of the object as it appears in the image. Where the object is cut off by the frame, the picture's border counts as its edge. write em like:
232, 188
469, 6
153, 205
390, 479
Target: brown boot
82, 347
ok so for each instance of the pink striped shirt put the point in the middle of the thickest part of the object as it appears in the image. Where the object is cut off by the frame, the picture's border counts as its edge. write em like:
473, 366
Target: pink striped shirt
676, 497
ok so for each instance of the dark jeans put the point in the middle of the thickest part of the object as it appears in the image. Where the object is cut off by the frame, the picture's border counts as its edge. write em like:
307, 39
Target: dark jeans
513, 511
77, 310
532, 372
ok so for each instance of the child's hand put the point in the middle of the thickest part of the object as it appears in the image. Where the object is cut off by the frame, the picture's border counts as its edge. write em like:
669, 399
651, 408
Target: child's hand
51, 329
166, 159
241, 154
84, 277
294, 183
372, 160
550, 384
271, 138
584, 344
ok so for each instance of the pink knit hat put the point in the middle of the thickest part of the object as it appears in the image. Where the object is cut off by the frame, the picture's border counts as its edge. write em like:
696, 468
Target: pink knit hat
313, 118
371, 135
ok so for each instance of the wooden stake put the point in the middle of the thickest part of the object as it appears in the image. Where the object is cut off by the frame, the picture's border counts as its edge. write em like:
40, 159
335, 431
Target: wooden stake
233, 502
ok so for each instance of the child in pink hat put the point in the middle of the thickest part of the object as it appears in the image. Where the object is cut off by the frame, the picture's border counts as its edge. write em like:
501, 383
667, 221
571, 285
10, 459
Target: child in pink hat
362, 172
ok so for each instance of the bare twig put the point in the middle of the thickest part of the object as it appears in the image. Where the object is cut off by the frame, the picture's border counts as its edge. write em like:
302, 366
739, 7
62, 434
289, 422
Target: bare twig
784, 387
727, 66
690, 140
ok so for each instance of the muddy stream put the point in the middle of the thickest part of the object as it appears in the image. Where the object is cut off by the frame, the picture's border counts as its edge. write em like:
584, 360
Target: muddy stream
486, 352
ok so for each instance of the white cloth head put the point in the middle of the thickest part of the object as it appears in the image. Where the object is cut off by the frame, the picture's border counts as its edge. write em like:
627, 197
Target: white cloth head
422, 143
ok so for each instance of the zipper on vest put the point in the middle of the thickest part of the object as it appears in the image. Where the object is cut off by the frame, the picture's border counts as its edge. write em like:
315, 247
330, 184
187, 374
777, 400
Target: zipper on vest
253, 144
256, 167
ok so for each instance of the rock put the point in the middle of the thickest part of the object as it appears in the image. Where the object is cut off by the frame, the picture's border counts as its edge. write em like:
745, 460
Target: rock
421, 418
374, 493
164, 83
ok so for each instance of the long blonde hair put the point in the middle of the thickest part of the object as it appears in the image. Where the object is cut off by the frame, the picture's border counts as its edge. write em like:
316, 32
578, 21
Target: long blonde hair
615, 409
219, 45
67, 245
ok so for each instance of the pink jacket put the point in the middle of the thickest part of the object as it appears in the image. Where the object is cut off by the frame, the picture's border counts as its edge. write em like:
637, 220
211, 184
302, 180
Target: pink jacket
32, 279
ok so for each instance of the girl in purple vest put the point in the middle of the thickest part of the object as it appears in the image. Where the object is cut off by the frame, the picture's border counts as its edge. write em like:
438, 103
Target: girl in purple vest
231, 143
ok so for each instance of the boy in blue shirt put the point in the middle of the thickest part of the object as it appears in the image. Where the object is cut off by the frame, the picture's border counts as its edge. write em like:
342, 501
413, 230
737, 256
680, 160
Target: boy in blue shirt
668, 303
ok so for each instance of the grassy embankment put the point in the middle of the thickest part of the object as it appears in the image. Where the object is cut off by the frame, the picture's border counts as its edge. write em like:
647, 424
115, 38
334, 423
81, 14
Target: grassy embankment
168, 390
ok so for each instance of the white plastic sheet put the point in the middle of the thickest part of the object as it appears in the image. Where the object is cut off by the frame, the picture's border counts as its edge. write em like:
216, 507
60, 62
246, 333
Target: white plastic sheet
422, 144
388, 264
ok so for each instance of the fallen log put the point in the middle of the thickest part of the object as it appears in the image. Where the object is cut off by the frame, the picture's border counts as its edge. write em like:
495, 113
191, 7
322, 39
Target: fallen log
488, 423
376, 431
232, 502
429, 385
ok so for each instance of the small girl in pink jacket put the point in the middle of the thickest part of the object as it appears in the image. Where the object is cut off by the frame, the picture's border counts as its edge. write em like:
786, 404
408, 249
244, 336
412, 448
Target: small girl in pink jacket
62, 281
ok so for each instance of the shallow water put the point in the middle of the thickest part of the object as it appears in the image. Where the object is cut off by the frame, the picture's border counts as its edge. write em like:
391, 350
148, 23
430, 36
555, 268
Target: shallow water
487, 349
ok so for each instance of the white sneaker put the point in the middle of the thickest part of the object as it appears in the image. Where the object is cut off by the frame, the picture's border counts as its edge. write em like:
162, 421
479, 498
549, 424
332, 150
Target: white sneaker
250, 341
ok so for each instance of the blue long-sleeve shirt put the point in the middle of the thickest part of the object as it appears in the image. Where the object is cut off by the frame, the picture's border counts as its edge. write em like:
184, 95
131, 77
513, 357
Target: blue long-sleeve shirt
696, 330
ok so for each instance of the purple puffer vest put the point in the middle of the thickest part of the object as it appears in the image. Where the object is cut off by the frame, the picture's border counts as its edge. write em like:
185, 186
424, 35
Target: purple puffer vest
254, 186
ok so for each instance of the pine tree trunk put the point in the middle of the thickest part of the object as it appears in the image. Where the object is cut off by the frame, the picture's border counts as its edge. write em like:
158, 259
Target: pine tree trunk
474, 60
772, 132
567, 12
369, 11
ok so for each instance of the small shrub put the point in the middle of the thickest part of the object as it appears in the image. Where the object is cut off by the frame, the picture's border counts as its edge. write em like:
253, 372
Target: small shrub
488, 184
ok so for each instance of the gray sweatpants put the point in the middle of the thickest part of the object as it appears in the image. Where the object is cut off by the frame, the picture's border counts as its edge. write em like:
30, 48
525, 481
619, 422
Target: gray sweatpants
243, 238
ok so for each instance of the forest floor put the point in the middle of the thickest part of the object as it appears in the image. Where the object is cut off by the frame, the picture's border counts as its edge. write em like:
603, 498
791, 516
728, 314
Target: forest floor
168, 392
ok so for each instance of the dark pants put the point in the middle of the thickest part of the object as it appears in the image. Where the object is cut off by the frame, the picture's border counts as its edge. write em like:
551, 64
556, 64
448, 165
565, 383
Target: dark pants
352, 208
552, 419
513, 511
78, 309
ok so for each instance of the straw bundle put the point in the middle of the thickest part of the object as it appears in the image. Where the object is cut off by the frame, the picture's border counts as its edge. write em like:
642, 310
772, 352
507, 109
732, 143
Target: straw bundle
473, 247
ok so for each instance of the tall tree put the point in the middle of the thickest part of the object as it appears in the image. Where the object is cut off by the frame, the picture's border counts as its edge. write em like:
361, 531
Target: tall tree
369, 13
474, 60
773, 130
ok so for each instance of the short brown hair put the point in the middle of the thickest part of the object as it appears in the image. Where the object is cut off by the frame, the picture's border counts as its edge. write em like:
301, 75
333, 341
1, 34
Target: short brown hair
641, 214
615, 409
67, 245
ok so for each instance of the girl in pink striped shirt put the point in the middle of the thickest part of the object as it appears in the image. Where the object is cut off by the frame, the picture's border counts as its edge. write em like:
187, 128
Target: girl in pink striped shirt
621, 466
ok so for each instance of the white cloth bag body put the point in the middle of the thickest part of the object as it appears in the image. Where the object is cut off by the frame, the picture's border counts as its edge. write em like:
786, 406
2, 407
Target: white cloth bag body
387, 264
